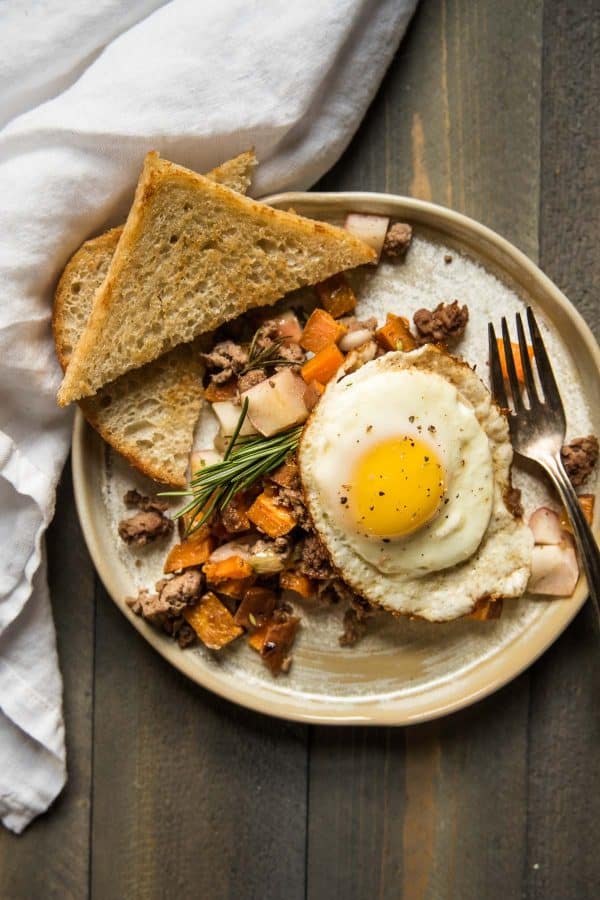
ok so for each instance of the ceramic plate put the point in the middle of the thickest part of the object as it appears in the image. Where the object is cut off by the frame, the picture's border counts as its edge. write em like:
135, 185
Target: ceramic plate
403, 671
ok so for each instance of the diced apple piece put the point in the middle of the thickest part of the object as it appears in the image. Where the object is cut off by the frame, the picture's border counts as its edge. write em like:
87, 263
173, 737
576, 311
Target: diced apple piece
228, 414
199, 459
288, 326
554, 569
370, 229
277, 403
545, 525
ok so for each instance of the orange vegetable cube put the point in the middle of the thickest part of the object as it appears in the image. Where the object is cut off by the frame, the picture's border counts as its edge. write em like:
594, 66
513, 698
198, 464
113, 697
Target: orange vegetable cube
295, 581
270, 518
256, 607
274, 641
516, 357
277, 643
486, 609
192, 552
586, 501
312, 394
235, 588
321, 330
212, 622
234, 567
287, 473
395, 334
336, 296
257, 639
323, 366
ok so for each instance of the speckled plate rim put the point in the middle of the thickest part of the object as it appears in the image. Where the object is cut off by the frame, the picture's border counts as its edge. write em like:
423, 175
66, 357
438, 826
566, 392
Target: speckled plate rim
494, 671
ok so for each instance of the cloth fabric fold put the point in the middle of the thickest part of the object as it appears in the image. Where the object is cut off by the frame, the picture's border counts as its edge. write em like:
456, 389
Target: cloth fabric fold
85, 94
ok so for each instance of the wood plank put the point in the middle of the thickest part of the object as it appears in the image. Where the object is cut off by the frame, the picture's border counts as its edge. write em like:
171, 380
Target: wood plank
563, 773
570, 201
51, 858
421, 812
193, 797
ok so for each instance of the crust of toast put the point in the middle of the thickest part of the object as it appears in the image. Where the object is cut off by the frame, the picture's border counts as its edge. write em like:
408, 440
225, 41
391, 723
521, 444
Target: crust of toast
148, 415
193, 255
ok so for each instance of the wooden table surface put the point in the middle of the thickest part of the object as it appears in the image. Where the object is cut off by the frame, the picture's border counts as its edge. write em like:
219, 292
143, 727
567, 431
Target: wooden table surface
490, 107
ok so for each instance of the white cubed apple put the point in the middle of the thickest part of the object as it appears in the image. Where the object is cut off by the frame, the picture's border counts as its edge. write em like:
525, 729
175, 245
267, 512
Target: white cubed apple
554, 569
288, 326
228, 414
199, 459
370, 229
546, 527
277, 403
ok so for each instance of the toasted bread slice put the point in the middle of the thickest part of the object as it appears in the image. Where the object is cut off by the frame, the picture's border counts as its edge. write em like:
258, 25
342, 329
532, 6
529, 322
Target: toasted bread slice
148, 415
193, 255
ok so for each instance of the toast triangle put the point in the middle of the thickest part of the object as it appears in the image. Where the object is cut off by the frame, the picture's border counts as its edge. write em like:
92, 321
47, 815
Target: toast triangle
148, 415
193, 255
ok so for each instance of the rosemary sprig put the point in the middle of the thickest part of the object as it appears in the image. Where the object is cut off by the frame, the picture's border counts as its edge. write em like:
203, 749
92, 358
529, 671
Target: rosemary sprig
267, 356
245, 461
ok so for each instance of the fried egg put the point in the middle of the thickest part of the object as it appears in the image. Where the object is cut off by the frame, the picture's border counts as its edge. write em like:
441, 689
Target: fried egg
404, 465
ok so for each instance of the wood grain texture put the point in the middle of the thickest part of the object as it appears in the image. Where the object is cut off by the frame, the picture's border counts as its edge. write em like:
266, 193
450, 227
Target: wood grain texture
563, 785
570, 211
192, 797
51, 858
458, 122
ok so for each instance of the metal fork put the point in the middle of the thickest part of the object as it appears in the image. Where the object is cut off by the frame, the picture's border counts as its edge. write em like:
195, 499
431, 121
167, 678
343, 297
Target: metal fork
537, 430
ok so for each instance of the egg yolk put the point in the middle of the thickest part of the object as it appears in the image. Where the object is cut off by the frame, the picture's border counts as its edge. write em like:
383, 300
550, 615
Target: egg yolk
397, 487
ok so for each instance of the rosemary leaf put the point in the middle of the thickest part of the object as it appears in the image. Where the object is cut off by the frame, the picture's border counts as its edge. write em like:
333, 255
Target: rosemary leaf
247, 459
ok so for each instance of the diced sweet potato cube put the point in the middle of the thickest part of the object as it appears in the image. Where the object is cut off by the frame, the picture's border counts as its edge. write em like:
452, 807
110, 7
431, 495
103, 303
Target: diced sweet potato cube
234, 567
517, 358
295, 581
323, 366
336, 296
313, 394
256, 607
212, 622
586, 501
235, 588
192, 552
395, 334
273, 520
286, 474
257, 639
321, 330
486, 609
278, 639
216, 392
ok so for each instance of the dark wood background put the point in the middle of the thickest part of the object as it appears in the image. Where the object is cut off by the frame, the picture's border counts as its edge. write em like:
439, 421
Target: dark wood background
491, 107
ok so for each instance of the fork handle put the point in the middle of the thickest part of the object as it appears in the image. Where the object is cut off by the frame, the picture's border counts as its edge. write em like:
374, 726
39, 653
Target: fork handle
584, 538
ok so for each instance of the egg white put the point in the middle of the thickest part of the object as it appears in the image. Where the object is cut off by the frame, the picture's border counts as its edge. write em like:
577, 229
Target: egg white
499, 564
384, 400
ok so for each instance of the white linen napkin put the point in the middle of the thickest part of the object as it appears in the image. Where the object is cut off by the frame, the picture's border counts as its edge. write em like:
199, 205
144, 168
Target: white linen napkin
86, 90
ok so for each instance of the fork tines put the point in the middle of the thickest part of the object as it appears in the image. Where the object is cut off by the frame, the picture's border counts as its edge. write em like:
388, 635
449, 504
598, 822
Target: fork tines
546, 376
